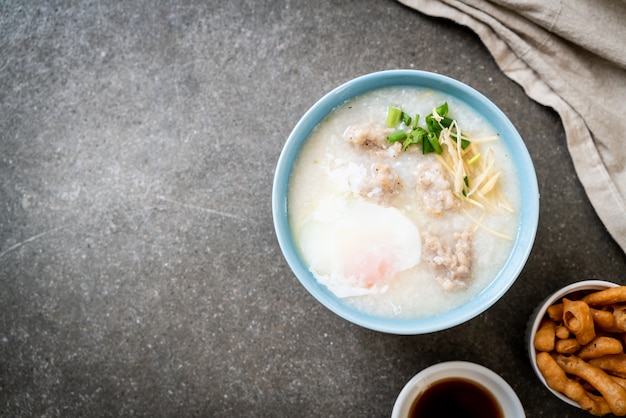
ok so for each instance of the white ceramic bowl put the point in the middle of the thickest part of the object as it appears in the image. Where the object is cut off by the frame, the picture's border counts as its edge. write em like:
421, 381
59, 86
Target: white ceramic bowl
519, 156
539, 313
499, 388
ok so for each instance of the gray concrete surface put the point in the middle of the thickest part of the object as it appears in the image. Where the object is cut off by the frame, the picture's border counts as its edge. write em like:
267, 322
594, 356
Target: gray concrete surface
139, 270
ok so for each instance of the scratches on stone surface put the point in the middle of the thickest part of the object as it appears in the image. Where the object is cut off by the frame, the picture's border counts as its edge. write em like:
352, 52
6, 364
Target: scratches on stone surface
201, 208
28, 240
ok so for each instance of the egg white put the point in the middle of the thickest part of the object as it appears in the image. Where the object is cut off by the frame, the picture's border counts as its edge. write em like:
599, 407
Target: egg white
354, 247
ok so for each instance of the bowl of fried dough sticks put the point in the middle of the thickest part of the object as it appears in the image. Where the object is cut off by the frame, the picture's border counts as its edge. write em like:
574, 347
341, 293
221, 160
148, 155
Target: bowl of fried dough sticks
576, 342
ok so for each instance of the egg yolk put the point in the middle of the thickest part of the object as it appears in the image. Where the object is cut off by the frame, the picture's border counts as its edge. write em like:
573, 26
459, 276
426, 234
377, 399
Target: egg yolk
370, 269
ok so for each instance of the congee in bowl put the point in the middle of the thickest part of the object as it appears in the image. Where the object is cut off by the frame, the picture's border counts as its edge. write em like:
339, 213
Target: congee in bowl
405, 202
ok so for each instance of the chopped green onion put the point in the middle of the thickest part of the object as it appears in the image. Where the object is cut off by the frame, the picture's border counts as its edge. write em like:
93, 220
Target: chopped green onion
434, 142
396, 136
406, 119
409, 141
415, 121
443, 109
415, 137
427, 147
429, 137
419, 133
464, 142
394, 115
446, 122
432, 125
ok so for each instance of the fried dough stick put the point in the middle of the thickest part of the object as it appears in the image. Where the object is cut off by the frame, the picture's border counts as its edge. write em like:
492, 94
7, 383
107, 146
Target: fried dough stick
606, 297
601, 318
599, 347
614, 394
558, 381
578, 318
545, 336
614, 364
619, 313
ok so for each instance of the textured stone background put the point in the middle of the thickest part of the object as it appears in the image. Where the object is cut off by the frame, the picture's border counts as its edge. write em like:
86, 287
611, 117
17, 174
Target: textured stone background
139, 270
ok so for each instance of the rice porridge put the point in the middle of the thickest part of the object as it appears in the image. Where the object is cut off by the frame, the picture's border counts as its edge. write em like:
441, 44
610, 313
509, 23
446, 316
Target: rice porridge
404, 218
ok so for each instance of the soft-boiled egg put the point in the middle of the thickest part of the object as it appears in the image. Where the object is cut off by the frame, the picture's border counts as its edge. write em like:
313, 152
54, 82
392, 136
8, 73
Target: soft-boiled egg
355, 247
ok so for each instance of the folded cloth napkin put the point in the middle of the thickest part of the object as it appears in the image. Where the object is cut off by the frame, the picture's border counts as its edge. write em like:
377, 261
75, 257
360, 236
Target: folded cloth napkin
571, 56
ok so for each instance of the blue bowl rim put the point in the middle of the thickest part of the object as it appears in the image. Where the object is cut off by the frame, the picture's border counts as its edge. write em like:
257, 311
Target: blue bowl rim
529, 217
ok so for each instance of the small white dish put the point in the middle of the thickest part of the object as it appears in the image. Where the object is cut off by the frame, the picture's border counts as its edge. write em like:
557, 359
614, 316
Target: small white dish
503, 393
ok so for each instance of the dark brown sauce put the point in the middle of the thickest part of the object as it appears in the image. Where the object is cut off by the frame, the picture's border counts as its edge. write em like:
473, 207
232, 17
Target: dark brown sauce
458, 398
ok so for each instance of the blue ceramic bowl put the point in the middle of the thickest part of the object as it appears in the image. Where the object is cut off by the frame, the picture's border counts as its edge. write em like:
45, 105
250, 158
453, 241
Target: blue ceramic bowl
520, 157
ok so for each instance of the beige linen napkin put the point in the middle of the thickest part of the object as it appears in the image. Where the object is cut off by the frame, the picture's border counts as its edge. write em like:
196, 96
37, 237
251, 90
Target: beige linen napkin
569, 55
